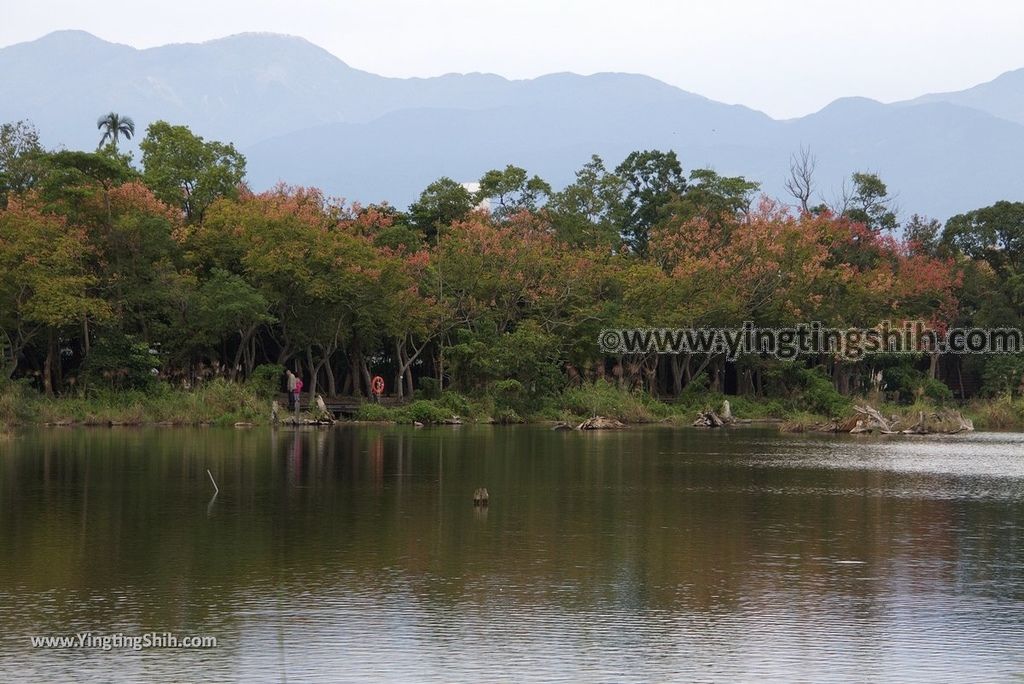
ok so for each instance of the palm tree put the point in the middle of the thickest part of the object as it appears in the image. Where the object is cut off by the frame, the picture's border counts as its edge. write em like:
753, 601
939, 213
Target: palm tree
114, 125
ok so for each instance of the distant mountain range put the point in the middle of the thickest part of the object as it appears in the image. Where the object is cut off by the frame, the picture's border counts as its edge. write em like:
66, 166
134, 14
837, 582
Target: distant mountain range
304, 116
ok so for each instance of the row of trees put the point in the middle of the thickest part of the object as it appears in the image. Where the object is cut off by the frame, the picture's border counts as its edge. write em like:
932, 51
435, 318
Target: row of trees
111, 271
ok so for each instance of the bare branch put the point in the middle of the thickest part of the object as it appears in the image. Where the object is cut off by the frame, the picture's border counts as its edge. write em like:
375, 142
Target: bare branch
800, 183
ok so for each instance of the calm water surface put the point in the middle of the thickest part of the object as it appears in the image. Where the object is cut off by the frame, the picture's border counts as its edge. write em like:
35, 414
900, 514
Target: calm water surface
355, 553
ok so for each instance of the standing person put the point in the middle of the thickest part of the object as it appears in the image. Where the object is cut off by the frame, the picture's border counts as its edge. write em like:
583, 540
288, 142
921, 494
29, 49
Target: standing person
291, 390
297, 393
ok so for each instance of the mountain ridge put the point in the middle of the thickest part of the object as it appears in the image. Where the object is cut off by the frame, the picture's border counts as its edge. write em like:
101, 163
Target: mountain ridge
303, 115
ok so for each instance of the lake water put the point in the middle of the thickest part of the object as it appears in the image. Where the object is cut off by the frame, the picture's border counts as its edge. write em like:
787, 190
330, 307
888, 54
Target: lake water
355, 554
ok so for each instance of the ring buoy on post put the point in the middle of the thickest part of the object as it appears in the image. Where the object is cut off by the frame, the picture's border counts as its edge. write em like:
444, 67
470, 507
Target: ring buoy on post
377, 386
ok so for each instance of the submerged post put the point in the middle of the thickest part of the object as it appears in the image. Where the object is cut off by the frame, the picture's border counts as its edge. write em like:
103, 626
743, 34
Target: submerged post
481, 497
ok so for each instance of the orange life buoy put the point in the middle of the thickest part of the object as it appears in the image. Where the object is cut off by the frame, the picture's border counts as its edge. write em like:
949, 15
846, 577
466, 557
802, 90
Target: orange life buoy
377, 385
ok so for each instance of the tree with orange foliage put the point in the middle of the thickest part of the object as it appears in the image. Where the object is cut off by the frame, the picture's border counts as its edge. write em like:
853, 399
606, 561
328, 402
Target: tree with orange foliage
46, 286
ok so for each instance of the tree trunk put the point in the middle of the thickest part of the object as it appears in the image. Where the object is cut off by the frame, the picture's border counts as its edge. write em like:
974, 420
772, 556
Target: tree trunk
649, 374
332, 381
677, 374
313, 370
440, 365
233, 373
250, 356
366, 373
354, 372
400, 368
844, 380
960, 375
48, 364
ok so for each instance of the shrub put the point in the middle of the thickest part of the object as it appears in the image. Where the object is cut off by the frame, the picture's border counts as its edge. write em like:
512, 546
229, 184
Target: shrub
266, 380
807, 389
426, 412
910, 384
747, 407
375, 413
119, 361
429, 388
509, 395
527, 355
456, 403
937, 391
604, 399
820, 396
506, 417
1002, 374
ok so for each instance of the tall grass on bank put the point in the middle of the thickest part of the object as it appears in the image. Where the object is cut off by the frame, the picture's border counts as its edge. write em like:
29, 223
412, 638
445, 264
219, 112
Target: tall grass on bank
220, 402
17, 404
998, 413
217, 402
605, 399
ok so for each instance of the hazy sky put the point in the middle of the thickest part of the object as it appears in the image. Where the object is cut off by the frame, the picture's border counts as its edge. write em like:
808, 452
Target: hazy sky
786, 58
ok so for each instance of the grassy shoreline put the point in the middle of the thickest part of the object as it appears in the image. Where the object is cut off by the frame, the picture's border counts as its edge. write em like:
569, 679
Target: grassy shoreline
226, 404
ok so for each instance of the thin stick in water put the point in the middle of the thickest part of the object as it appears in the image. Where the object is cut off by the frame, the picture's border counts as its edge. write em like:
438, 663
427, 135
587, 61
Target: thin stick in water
216, 489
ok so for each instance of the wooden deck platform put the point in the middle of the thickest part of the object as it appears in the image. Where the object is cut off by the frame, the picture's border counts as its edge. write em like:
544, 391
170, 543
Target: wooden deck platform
341, 407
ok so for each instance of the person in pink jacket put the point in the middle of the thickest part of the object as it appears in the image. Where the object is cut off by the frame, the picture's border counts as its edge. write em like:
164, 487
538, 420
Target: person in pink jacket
297, 395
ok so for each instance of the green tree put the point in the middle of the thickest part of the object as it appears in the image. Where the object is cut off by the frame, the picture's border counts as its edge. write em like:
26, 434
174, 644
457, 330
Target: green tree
69, 180
714, 197
994, 235
114, 126
652, 179
440, 204
512, 190
584, 213
923, 234
870, 203
227, 306
19, 158
186, 171
139, 264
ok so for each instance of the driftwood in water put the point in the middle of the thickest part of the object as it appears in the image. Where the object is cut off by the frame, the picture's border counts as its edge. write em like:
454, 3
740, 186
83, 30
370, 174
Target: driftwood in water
965, 423
943, 422
946, 422
710, 419
868, 420
600, 423
872, 420
918, 428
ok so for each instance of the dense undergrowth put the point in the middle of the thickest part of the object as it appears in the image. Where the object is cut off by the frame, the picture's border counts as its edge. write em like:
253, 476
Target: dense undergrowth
220, 402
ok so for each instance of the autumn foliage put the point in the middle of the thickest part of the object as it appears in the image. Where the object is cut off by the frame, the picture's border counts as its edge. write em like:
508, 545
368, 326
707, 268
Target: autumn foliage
343, 291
